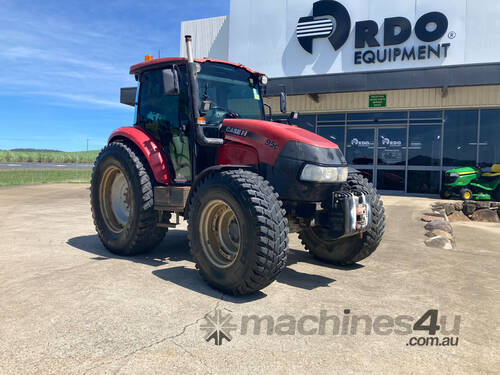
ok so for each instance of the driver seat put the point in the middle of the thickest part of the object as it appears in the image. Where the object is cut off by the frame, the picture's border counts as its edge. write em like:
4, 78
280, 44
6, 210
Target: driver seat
495, 171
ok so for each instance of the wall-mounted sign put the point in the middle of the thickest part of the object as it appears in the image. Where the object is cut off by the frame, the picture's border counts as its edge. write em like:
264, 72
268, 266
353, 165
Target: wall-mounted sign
377, 101
330, 19
297, 38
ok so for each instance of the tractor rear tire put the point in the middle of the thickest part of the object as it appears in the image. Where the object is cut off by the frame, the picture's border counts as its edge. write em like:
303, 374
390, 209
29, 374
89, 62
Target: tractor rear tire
466, 194
237, 231
121, 196
348, 250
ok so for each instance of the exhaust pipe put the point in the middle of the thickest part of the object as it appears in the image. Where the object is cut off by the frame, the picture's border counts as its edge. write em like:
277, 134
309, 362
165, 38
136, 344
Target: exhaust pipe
189, 48
192, 71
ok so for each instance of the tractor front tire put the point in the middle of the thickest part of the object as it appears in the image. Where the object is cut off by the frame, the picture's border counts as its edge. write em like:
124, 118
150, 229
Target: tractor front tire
237, 231
348, 250
121, 196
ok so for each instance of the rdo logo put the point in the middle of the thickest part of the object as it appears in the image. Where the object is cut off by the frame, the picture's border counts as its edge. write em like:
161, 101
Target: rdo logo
331, 20
336, 30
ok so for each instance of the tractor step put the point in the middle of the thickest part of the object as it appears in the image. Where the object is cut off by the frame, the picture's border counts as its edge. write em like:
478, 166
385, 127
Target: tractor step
171, 198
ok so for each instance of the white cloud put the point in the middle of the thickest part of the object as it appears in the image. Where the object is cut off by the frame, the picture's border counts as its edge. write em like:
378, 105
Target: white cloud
82, 99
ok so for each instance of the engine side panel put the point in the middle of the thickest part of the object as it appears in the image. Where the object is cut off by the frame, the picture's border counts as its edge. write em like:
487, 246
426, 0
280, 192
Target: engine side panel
152, 152
232, 153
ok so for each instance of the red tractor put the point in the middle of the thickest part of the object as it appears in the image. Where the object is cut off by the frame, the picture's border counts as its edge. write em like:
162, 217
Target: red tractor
201, 148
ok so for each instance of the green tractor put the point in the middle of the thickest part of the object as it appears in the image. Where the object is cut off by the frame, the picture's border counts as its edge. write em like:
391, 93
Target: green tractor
473, 183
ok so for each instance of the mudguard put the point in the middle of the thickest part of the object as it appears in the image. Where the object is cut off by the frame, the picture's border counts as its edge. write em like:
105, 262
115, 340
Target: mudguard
157, 160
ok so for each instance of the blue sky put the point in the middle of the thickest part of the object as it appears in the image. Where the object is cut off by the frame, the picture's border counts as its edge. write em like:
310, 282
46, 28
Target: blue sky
62, 64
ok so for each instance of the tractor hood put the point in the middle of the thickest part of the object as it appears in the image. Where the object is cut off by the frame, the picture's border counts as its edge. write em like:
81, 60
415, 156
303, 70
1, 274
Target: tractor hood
278, 133
273, 140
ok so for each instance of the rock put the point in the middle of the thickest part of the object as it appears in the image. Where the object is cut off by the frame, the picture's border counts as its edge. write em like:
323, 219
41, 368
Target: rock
482, 204
458, 216
449, 208
495, 204
441, 233
429, 218
438, 224
486, 215
439, 242
459, 206
469, 208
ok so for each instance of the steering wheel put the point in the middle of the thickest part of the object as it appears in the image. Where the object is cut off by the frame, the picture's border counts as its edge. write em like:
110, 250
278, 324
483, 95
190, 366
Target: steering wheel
217, 114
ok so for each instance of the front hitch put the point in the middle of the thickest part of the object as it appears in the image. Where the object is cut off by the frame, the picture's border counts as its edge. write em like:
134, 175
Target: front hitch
357, 211
349, 214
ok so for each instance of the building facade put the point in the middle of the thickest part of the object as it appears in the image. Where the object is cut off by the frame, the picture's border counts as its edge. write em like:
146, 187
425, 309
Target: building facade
407, 89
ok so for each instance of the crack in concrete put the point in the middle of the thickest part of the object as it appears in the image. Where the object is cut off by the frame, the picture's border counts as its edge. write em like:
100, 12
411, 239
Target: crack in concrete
193, 355
171, 338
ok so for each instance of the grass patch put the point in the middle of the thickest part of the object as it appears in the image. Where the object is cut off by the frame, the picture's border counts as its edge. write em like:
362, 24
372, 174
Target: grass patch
44, 176
48, 157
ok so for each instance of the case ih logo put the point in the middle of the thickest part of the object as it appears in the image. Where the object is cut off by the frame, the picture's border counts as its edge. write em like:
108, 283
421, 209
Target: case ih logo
331, 20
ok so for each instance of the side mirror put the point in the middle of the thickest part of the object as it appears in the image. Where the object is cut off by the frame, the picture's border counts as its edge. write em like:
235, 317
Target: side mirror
170, 82
283, 102
205, 106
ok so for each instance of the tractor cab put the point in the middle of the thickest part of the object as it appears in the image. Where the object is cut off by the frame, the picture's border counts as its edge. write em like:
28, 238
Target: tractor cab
164, 107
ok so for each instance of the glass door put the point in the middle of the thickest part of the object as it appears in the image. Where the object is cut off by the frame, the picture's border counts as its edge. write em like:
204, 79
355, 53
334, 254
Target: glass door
360, 150
391, 159
380, 155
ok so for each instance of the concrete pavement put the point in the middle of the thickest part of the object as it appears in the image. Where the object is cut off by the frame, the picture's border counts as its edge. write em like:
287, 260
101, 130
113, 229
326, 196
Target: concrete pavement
67, 305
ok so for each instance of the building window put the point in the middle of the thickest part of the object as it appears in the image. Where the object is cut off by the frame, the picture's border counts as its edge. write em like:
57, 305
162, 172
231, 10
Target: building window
391, 146
307, 122
425, 145
423, 182
391, 180
332, 117
360, 146
334, 134
460, 138
489, 137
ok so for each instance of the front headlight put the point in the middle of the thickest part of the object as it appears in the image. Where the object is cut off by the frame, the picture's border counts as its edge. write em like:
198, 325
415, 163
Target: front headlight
316, 173
454, 175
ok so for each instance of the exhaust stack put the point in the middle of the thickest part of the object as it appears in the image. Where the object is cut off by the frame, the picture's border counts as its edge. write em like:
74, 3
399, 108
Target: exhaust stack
189, 48
192, 71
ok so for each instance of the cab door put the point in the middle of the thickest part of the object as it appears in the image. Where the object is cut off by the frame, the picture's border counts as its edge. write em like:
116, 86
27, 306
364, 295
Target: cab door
166, 117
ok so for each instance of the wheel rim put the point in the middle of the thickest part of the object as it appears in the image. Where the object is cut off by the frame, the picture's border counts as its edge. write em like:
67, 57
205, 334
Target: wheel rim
220, 234
446, 193
115, 199
467, 195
